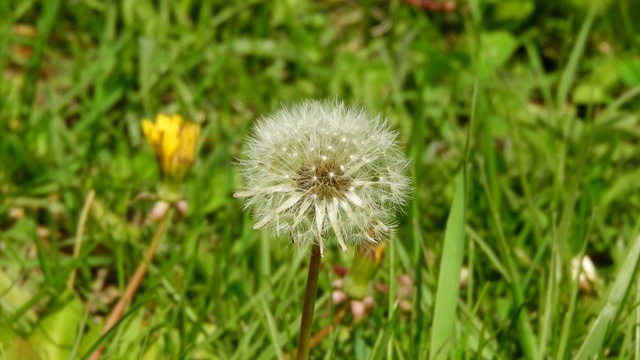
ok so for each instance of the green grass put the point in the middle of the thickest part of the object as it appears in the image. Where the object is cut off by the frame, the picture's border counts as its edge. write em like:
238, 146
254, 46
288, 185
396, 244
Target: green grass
538, 102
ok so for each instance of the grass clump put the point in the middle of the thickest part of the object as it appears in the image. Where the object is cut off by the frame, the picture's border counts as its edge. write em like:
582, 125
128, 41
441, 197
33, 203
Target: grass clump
536, 101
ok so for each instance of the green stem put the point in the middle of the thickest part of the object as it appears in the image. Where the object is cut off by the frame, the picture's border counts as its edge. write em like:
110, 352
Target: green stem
309, 304
79, 233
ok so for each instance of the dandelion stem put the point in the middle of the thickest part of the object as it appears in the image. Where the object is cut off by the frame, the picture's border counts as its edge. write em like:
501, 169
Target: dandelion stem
134, 283
309, 304
322, 333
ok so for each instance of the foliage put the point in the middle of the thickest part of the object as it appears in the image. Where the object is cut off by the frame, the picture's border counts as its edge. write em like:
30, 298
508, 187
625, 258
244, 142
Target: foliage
537, 100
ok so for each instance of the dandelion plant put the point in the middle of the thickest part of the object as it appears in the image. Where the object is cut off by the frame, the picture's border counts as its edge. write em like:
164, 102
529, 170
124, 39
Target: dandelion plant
320, 172
174, 143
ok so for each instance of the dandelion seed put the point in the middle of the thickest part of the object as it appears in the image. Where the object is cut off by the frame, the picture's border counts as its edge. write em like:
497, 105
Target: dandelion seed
348, 193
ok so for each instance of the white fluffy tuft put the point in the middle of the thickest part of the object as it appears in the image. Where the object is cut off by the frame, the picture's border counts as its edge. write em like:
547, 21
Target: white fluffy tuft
323, 168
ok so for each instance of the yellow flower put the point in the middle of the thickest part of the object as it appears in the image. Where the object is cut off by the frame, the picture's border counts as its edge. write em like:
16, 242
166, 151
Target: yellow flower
174, 142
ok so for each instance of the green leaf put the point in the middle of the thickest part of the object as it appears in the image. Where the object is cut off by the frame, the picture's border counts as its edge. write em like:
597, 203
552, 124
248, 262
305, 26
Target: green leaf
444, 317
513, 10
57, 333
599, 7
13, 346
630, 72
497, 49
589, 94
596, 88
15, 295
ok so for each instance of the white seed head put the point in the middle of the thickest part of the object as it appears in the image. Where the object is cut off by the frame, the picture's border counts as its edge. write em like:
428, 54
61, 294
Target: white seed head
323, 169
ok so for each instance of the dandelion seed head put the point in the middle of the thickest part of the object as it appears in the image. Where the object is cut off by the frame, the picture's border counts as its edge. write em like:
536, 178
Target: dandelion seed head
323, 170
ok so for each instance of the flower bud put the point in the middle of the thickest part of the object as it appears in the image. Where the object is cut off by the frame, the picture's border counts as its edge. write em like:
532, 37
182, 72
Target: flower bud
366, 262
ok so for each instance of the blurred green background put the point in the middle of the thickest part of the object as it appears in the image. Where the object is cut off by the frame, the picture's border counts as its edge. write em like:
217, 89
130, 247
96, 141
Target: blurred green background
538, 100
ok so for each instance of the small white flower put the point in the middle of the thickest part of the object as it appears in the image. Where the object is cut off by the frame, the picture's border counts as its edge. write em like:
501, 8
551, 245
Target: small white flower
320, 169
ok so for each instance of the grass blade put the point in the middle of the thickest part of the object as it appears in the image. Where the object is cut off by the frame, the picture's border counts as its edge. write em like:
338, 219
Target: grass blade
551, 298
595, 339
569, 73
272, 329
384, 339
444, 318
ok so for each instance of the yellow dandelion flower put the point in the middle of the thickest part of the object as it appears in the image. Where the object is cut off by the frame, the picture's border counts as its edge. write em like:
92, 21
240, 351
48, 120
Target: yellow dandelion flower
174, 142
